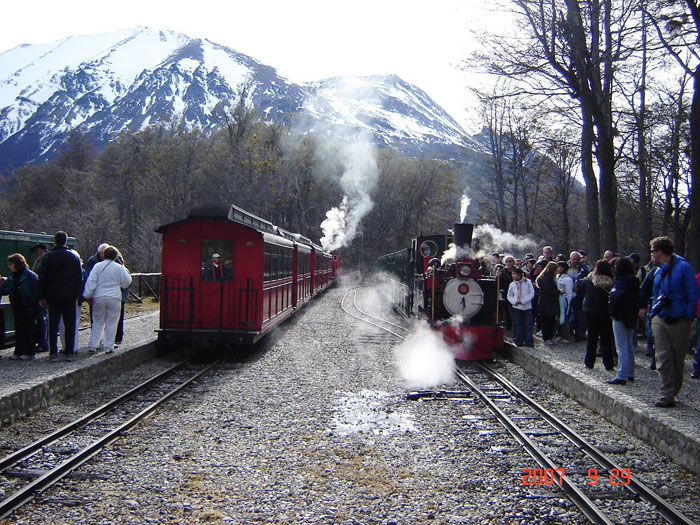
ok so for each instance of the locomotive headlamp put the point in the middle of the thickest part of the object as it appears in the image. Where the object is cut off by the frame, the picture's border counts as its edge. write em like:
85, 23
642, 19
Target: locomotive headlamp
464, 270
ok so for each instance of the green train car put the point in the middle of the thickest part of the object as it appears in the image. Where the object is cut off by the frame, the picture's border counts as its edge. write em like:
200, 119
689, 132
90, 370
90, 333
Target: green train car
398, 267
17, 242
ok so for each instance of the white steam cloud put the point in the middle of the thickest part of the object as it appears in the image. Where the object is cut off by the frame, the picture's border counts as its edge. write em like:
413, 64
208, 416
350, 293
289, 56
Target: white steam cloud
455, 253
464, 206
424, 359
491, 239
360, 173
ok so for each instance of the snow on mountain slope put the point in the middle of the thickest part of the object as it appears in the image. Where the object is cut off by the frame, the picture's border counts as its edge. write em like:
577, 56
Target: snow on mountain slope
102, 65
383, 104
124, 81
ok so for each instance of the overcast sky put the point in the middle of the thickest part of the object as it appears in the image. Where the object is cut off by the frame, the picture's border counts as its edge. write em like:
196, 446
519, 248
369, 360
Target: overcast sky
423, 42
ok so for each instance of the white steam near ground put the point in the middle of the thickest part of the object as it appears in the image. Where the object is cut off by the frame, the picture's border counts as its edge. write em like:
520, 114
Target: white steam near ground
423, 359
356, 157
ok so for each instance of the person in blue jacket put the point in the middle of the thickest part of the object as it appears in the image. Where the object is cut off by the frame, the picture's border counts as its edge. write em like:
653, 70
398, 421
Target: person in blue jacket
22, 287
673, 304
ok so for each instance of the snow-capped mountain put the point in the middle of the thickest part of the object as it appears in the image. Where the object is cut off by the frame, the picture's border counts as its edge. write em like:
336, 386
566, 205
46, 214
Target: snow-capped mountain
126, 80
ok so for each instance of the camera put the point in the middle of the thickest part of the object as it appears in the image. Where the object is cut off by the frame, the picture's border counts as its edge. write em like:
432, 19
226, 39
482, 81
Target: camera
662, 302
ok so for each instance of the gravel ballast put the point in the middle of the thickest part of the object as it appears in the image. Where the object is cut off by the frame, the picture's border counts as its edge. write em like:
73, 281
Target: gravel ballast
313, 427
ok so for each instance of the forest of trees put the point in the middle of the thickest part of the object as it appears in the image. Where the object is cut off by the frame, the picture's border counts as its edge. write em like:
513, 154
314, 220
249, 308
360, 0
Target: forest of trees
609, 90
591, 138
123, 192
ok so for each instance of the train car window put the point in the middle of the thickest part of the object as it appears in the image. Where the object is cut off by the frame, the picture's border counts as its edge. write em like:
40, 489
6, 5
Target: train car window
268, 264
217, 260
275, 263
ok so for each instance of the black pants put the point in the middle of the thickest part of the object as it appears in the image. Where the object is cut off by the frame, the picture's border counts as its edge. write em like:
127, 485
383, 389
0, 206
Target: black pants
120, 327
599, 326
547, 326
64, 308
24, 332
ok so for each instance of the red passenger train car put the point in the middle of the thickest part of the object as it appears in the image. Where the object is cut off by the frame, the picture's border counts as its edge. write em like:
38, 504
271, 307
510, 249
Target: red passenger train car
229, 277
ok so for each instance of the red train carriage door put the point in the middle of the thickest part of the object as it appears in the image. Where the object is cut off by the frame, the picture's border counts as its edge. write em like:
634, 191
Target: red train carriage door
216, 284
177, 302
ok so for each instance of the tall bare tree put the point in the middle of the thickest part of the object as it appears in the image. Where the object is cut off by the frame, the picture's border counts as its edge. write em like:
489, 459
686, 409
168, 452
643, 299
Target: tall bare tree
570, 47
677, 23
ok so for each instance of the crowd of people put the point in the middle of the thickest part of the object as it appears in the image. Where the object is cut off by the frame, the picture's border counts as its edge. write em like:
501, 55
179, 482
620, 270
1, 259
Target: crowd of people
610, 305
46, 300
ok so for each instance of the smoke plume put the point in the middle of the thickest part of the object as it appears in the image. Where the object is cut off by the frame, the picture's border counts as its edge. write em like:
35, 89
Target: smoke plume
491, 239
358, 179
455, 253
464, 206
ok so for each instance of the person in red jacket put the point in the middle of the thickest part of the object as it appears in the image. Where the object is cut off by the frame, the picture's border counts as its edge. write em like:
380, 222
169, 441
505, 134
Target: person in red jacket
696, 362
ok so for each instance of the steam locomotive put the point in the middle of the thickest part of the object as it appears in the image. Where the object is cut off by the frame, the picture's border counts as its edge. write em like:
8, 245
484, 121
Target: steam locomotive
453, 297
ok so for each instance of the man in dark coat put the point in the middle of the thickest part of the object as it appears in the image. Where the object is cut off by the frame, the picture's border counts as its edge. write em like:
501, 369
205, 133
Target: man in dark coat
60, 287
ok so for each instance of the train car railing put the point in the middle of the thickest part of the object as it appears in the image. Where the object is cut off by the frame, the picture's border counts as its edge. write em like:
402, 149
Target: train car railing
177, 304
247, 304
239, 307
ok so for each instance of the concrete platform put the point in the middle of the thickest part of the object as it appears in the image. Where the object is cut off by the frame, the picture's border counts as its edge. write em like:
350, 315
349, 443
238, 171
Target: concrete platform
28, 386
675, 431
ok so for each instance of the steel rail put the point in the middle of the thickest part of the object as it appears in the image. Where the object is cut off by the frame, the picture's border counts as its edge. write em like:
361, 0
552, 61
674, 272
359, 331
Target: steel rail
668, 511
32, 448
342, 305
585, 505
354, 302
583, 502
22, 496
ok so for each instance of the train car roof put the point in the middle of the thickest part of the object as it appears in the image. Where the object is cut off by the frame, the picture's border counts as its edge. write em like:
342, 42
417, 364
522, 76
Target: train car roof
319, 249
227, 212
272, 238
303, 240
32, 237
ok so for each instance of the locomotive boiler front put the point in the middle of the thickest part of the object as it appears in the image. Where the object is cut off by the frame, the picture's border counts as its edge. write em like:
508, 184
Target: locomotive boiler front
462, 295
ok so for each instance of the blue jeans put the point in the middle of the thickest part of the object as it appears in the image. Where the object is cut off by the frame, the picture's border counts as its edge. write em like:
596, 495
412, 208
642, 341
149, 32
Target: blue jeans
522, 324
44, 322
625, 350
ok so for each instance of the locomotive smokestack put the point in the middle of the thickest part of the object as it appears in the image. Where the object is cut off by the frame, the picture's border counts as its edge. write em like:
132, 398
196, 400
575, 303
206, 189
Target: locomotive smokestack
463, 234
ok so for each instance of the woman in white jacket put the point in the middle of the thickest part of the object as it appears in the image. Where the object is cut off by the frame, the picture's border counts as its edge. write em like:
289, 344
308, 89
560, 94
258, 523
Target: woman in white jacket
104, 289
520, 294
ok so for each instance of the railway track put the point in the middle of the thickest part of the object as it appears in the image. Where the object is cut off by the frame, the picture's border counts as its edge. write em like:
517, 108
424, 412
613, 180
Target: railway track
353, 310
54, 456
594, 489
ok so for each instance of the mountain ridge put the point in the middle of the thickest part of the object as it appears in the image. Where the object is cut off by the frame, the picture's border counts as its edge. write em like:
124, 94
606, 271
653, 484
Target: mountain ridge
93, 83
